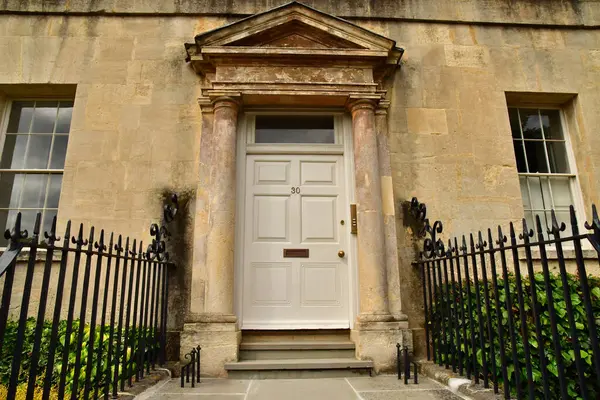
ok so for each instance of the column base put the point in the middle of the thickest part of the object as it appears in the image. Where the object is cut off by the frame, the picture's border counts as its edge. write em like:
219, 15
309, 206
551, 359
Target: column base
220, 343
376, 341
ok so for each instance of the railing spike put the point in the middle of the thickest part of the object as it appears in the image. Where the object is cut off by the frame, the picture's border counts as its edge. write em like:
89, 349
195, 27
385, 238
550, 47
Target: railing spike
37, 224
100, 243
526, 231
556, 226
52, 235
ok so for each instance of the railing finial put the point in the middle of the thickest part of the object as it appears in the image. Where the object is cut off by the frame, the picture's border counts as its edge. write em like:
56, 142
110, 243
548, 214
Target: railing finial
51, 236
16, 234
527, 233
595, 226
556, 226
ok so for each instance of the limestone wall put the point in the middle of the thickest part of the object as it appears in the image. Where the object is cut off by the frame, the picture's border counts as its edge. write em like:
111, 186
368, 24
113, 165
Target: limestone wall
547, 12
136, 126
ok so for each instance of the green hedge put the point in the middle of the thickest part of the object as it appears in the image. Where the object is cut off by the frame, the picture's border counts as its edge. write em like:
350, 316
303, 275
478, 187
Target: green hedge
441, 319
98, 376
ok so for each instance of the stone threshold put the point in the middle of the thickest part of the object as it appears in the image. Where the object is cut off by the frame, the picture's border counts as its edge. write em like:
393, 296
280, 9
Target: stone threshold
460, 385
296, 364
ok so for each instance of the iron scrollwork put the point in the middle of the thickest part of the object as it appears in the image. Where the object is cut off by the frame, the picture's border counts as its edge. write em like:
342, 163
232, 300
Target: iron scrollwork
432, 245
157, 250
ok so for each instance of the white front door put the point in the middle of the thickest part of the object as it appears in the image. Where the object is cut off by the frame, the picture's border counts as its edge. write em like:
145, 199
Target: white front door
293, 276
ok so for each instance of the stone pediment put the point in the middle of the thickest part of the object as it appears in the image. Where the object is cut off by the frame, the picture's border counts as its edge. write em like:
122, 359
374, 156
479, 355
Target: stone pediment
293, 29
293, 50
295, 34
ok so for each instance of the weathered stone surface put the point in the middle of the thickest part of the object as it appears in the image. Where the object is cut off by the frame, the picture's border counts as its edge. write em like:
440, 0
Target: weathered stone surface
376, 341
219, 342
427, 120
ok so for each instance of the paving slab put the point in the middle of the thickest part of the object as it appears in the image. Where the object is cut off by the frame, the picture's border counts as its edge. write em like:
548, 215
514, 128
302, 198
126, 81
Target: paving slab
358, 388
207, 386
199, 396
390, 382
414, 394
303, 389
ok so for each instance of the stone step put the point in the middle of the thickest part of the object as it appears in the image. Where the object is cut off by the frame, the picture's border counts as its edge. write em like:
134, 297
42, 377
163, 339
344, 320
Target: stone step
297, 368
302, 335
296, 350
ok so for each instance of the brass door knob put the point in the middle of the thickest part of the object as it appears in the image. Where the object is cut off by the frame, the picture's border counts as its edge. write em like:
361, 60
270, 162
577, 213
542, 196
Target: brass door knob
341, 254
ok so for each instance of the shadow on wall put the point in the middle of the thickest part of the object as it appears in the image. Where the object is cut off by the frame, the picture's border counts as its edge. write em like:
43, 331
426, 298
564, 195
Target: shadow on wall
179, 247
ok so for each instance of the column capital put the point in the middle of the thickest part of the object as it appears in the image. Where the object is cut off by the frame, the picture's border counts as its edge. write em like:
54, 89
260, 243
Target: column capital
361, 104
225, 101
382, 107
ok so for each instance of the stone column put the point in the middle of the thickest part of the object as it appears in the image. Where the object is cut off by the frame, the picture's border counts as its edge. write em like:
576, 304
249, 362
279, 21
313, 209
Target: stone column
221, 237
211, 322
389, 213
371, 241
375, 333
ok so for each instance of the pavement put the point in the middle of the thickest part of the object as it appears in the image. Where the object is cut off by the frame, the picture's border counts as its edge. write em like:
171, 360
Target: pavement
357, 388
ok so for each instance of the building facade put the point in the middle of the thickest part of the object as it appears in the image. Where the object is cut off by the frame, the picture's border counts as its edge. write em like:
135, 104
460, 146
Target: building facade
293, 134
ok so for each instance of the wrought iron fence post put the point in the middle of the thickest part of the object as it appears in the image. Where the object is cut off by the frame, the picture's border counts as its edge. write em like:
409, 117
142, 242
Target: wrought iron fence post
17, 351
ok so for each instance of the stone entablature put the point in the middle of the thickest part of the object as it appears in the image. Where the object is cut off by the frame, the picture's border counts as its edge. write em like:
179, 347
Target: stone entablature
270, 56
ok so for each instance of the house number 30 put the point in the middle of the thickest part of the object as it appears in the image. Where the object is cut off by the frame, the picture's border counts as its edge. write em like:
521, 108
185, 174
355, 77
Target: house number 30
296, 190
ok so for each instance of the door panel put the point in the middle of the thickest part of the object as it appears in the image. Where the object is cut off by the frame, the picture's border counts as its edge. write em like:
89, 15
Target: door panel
294, 202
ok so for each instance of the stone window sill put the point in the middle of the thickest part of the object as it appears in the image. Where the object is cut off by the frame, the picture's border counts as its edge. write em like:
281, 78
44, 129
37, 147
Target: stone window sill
551, 254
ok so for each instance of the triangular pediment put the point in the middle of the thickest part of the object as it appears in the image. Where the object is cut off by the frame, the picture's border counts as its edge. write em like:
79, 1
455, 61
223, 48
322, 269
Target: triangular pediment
294, 25
295, 34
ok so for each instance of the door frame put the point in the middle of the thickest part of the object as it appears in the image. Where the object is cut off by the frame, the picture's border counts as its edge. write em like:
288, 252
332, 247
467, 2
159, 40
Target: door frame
343, 134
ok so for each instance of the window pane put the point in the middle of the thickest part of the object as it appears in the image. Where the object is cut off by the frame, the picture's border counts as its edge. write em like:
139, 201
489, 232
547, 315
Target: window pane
20, 117
552, 125
530, 220
59, 150
39, 151
545, 222
513, 116
47, 221
294, 129
13, 154
540, 193
10, 189
34, 191
63, 123
557, 154
54, 191
561, 192
44, 117
520, 156
536, 156
530, 123
525, 193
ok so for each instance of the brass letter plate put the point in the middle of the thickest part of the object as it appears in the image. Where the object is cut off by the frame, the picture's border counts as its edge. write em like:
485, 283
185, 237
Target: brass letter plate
353, 220
295, 253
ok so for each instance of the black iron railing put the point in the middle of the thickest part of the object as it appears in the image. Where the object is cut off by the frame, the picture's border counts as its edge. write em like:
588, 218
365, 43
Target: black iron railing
191, 368
98, 317
510, 313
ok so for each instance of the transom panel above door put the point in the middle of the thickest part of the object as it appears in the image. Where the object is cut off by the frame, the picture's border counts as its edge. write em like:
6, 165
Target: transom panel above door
295, 271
